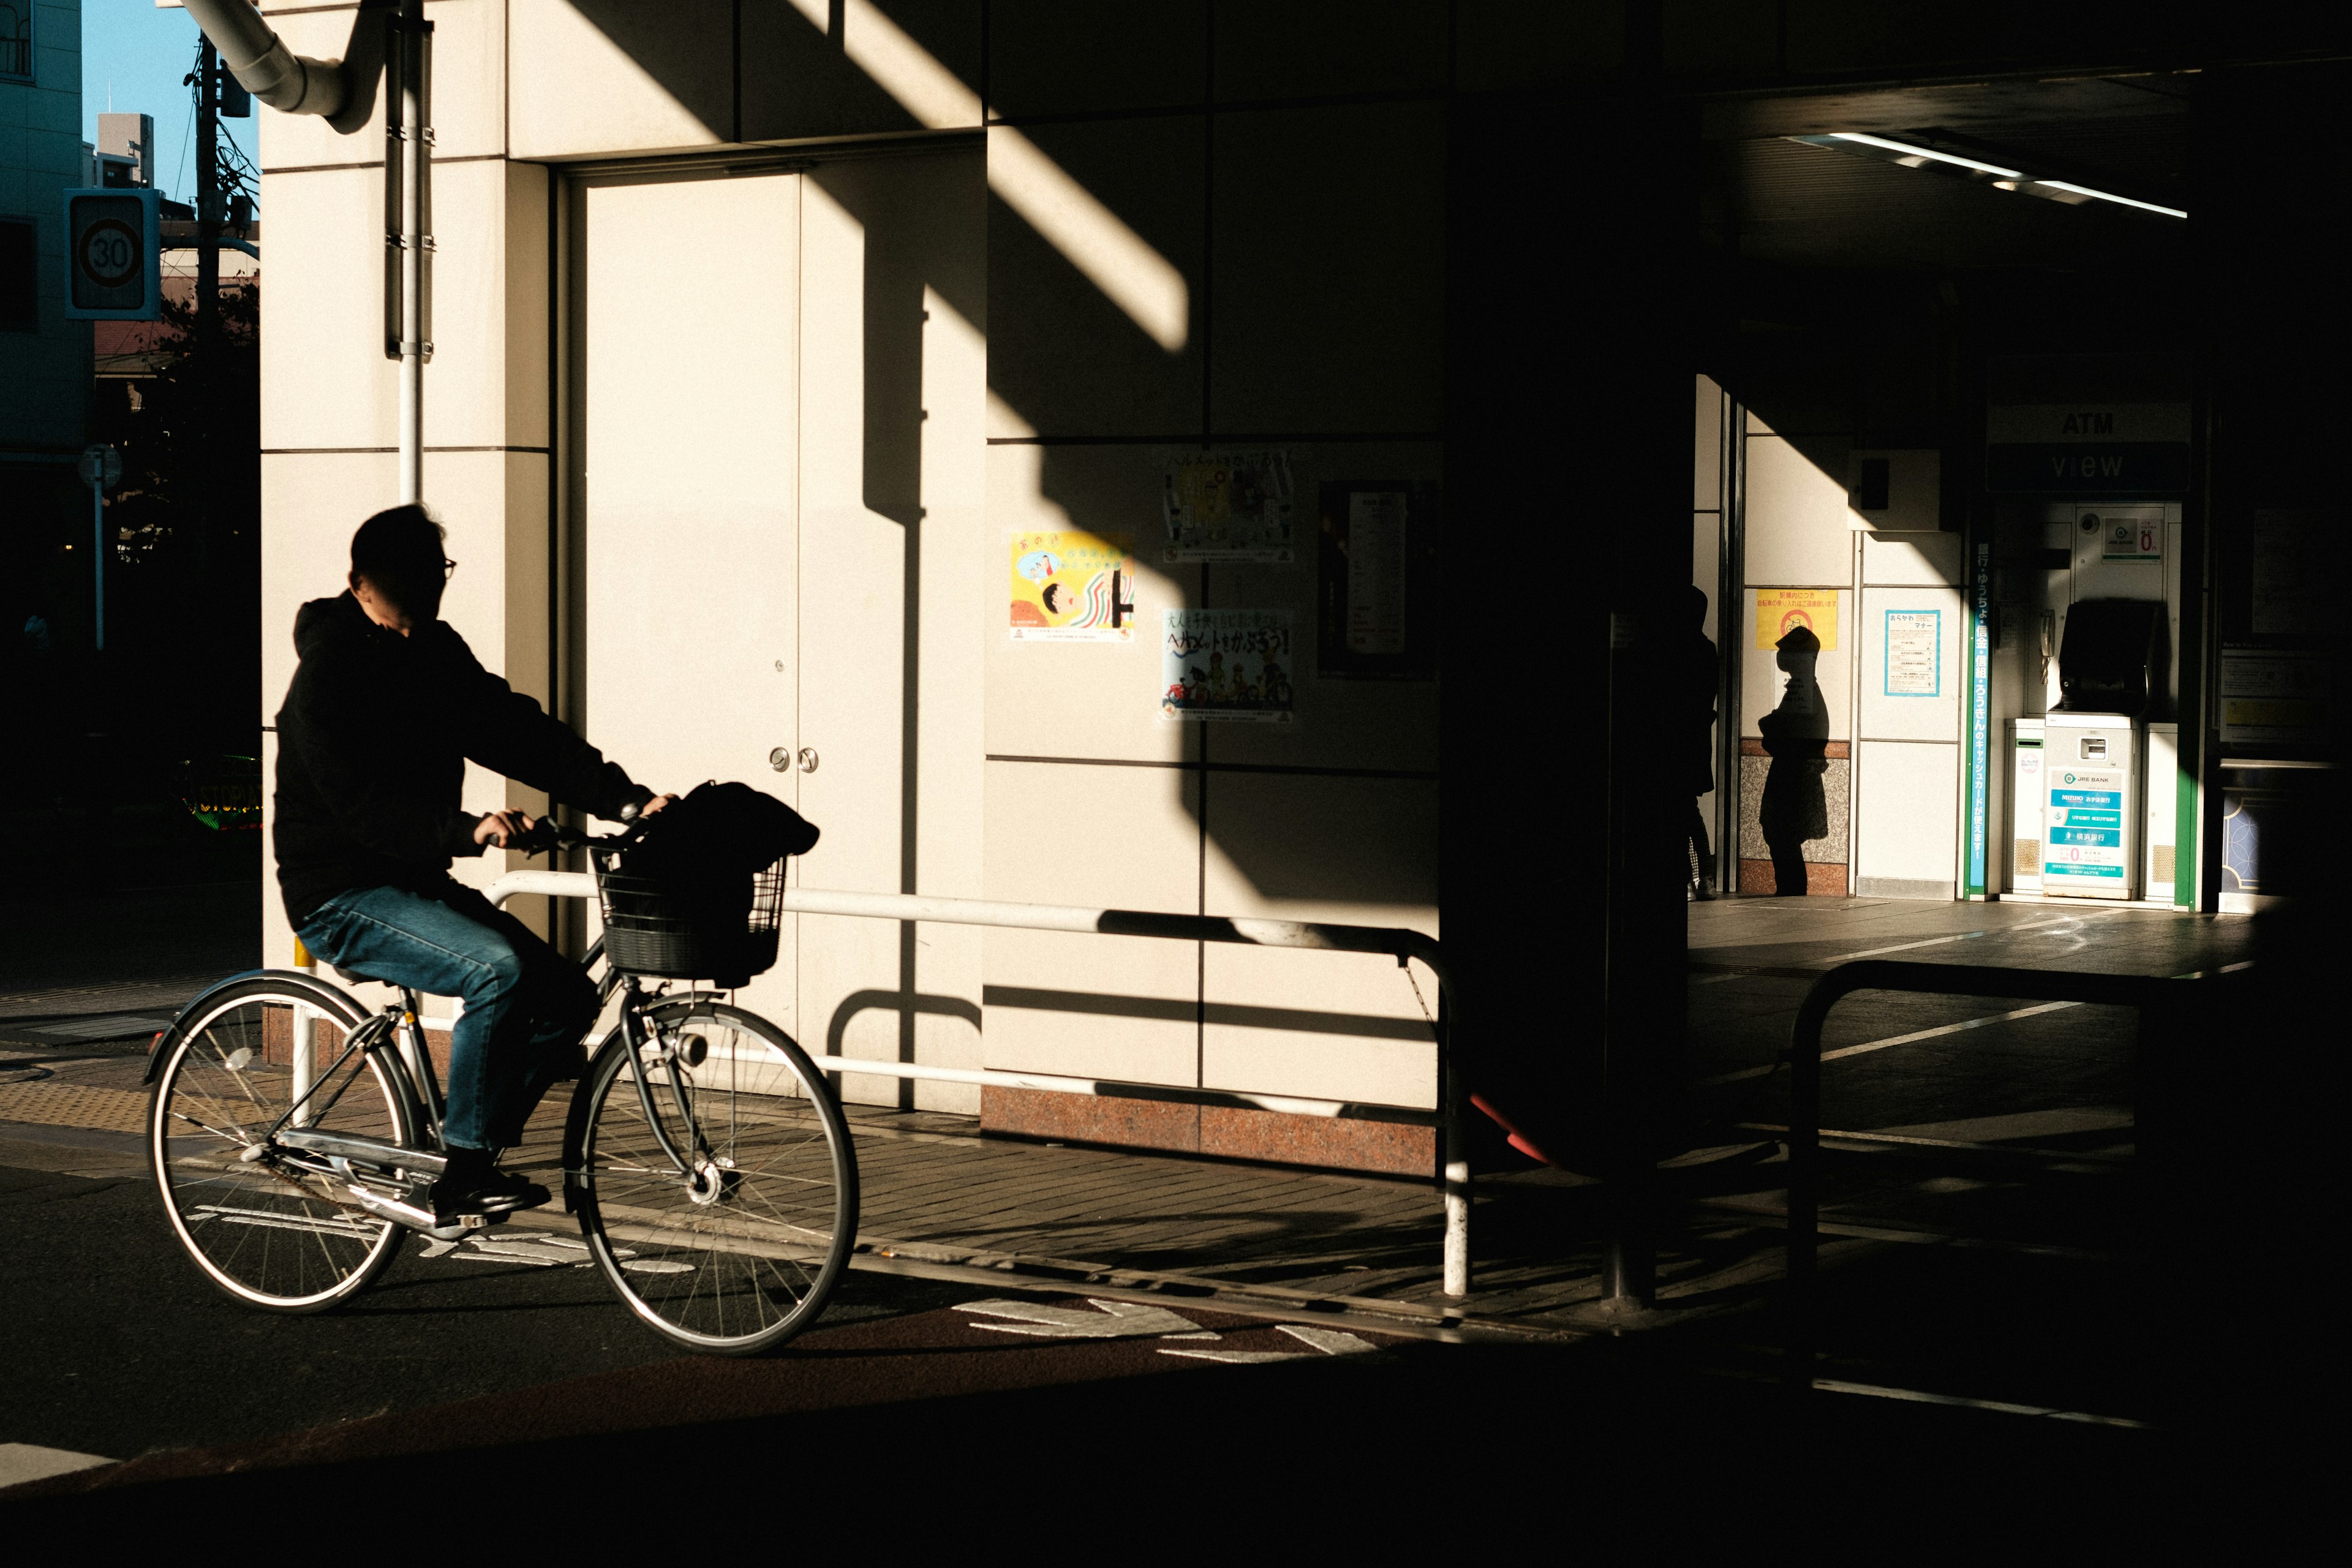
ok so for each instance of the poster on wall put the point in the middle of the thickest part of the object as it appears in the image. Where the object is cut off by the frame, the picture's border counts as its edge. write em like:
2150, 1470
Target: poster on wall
1780, 611
1376, 579
1228, 506
1226, 665
1069, 586
1915, 653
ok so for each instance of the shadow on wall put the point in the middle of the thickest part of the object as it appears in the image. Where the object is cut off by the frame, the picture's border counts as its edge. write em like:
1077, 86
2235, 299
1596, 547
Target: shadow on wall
796, 77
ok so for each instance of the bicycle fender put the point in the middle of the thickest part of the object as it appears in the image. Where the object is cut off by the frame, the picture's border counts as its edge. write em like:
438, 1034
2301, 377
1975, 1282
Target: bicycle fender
294, 979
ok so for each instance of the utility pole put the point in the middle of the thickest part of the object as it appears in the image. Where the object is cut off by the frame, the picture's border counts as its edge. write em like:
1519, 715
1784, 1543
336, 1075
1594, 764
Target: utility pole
208, 197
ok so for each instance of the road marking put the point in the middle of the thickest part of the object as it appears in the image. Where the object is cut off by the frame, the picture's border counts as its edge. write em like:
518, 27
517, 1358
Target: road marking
1772, 1066
1115, 1321
1331, 1341
1965, 936
1919, 1396
362, 1231
1811, 963
22, 1462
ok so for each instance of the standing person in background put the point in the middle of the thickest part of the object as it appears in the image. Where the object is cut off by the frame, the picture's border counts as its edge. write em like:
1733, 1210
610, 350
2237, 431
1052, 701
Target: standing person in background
1796, 737
1701, 678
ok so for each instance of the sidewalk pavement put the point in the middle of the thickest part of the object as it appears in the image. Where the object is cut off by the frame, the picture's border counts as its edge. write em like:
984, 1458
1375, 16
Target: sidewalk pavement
1970, 1136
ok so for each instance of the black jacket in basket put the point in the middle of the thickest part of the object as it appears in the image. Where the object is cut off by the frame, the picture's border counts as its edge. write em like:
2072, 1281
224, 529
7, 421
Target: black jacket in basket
695, 898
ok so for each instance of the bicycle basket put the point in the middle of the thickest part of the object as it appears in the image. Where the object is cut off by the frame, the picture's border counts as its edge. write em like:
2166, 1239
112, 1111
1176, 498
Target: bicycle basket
662, 931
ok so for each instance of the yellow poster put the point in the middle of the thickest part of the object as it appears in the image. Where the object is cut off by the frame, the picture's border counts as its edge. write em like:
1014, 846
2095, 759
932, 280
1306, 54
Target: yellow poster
1072, 587
1780, 611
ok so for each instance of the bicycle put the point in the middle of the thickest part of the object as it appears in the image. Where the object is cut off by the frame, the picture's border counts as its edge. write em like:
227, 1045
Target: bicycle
706, 1159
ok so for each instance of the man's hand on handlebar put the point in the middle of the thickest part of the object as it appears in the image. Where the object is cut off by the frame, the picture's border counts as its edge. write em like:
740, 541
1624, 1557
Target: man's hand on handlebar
655, 804
501, 829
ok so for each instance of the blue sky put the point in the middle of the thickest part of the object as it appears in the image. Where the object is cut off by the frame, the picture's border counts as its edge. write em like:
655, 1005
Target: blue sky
140, 52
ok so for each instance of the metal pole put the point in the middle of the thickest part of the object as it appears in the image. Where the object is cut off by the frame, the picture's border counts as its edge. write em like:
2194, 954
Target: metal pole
98, 553
305, 1031
1458, 1186
208, 202
412, 140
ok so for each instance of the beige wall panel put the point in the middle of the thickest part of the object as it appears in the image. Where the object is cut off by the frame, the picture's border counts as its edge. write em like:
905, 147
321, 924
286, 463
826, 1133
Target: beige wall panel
1060, 57
1353, 851
1762, 680
1065, 358
1080, 700
1306, 839
1797, 534
610, 75
1105, 837
324, 379
1910, 559
1330, 268
1906, 838
1298, 48
469, 87
325, 382
900, 65
466, 382
1340, 722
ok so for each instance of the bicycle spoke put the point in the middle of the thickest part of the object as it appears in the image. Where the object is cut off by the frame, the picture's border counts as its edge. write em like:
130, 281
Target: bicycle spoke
745, 1247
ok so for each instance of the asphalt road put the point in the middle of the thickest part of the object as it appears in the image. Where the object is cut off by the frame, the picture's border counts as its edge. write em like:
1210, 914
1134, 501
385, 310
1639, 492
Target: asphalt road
456, 1379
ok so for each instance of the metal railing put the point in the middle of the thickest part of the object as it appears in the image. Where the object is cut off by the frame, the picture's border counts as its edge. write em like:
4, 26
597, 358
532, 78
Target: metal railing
2143, 993
1403, 945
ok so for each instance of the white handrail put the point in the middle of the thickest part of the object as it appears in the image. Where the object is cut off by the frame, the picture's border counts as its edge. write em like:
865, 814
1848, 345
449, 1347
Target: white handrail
1405, 944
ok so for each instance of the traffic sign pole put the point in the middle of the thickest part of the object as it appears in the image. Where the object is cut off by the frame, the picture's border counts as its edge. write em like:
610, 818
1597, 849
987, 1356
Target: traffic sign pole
101, 467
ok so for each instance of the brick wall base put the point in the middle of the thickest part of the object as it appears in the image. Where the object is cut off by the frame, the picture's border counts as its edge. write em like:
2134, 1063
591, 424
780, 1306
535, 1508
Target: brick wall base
1823, 880
1269, 1135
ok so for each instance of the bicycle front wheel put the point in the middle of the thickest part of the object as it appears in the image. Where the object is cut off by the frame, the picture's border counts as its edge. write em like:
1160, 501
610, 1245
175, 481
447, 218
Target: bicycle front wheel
268, 1234
733, 1245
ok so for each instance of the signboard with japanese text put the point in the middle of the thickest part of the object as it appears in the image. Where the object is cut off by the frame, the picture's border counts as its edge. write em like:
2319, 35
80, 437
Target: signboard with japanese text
1227, 665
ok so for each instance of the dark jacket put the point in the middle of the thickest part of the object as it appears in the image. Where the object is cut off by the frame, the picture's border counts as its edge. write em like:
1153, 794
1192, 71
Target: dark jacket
373, 743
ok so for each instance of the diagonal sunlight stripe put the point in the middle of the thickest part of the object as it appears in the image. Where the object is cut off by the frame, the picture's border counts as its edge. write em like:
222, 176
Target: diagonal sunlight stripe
905, 69
1112, 257
1896, 1040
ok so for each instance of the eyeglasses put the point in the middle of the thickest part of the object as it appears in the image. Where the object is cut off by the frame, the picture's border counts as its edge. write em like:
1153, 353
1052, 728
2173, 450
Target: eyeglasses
448, 568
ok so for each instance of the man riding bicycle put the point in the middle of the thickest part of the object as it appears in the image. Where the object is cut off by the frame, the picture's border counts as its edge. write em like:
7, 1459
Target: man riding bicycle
385, 708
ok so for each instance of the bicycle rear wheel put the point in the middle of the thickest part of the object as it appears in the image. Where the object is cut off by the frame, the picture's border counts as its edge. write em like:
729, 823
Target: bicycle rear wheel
741, 1252
273, 1238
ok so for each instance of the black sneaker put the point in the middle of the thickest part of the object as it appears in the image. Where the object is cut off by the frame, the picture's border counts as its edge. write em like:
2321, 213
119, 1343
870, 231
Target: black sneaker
474, 1185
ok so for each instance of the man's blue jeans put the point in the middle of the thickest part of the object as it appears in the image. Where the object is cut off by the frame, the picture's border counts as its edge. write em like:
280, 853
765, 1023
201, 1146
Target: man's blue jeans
527, 1006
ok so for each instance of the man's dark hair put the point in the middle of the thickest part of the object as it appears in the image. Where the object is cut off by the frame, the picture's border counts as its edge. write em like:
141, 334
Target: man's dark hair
399, 553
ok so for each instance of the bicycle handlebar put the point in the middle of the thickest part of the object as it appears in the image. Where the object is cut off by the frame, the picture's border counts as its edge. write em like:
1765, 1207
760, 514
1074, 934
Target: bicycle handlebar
548, 833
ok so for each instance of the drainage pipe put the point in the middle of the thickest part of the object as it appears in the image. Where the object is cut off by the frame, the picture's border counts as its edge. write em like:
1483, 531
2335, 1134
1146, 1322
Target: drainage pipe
262, 63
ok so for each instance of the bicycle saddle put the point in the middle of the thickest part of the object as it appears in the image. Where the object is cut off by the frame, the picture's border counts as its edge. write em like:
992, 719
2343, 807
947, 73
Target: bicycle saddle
358, 977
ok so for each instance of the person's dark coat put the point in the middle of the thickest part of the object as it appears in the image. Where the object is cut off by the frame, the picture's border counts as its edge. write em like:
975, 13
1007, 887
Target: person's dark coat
1796, 736
372, 742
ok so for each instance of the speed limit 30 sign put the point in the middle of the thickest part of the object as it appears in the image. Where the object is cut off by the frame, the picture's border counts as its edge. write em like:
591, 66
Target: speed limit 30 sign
113, 247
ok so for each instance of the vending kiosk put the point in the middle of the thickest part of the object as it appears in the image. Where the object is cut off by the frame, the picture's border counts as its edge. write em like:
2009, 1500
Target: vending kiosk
2094, 750
2090, 792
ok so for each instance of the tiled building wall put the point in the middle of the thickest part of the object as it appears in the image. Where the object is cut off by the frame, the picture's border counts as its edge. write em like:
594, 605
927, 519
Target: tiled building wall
1288, 161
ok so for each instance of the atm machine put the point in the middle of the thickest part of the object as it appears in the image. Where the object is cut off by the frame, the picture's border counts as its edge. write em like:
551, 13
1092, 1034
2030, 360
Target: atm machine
2092, 767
